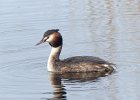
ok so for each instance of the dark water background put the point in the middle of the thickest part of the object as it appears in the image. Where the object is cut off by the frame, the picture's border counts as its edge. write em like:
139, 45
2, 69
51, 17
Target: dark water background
109, 29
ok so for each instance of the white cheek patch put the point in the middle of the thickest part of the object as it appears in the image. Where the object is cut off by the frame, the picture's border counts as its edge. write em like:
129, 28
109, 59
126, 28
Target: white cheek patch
45, 38
51, 37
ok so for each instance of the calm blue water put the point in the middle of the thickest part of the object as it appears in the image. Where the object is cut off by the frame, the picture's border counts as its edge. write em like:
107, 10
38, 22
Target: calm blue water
109, 29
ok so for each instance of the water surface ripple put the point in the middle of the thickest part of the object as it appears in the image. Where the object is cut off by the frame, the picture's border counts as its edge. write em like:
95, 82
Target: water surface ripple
109, 29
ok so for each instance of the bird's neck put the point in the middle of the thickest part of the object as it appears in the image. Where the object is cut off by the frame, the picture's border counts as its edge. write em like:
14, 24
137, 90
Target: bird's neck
54, 56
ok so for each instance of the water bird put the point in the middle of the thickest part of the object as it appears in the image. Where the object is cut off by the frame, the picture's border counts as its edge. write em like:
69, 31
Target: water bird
74, 64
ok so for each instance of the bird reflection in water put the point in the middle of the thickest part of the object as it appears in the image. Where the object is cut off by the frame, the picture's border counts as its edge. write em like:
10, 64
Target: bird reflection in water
57, 80
59, 91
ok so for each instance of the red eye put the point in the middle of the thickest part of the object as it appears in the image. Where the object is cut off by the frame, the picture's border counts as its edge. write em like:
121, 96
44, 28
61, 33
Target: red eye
45, 39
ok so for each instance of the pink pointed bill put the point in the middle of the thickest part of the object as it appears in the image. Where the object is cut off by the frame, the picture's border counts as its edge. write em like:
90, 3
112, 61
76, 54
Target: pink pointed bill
40, 42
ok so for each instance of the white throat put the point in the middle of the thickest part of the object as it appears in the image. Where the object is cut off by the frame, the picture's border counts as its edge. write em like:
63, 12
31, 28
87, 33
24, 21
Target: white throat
54, 56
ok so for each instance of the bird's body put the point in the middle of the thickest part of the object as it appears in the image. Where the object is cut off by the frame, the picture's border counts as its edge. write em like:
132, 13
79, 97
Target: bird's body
72, 64
83, 64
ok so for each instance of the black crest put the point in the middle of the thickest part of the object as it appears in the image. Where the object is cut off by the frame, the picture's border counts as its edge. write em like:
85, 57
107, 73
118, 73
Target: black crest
49, 32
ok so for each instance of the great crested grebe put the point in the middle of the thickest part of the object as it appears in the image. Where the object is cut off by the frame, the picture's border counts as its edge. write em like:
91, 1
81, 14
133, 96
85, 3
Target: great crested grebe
72, 64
